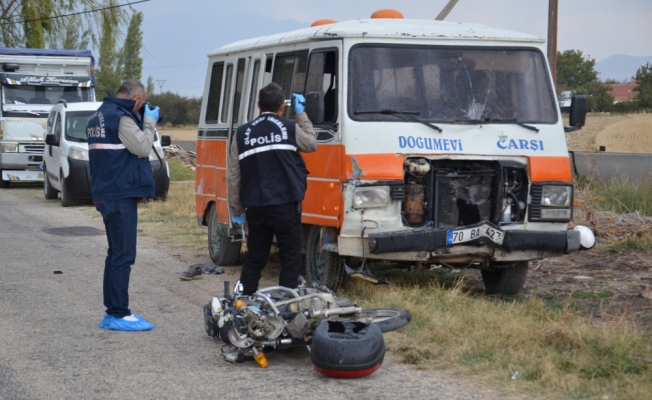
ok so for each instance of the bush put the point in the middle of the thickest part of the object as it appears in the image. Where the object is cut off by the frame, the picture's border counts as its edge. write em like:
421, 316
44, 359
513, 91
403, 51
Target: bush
177, 109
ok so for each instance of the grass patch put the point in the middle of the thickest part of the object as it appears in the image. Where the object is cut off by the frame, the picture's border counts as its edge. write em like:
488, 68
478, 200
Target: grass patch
581, 294
179, 172
557, 353
174, 220
620, 195
644, 243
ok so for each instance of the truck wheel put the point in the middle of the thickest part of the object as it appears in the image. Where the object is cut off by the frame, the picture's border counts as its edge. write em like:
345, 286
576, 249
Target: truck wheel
49, 191
323, 267
66, 200
505, 280
3, 184
223, 250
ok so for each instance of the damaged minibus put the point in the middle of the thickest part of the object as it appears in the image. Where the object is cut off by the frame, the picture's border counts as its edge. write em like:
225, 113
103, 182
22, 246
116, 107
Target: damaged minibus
439, 144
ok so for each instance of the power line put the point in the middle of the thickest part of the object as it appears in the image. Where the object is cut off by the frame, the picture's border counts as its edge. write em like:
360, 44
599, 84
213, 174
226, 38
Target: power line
76, 13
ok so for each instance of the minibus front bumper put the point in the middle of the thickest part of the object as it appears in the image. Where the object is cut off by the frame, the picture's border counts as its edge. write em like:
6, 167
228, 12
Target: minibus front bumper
435, 240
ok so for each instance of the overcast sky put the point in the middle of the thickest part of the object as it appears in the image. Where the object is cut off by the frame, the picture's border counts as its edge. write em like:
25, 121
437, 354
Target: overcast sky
178, 34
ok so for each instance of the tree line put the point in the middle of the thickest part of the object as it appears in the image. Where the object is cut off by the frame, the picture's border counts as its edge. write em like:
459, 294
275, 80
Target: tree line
576, 73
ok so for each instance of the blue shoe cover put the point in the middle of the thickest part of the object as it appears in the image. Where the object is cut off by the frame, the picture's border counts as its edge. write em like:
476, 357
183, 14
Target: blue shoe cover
105, 322
121, 324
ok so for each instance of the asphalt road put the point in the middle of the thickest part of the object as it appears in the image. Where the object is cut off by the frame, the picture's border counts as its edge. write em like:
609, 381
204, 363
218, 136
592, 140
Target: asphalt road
51, 348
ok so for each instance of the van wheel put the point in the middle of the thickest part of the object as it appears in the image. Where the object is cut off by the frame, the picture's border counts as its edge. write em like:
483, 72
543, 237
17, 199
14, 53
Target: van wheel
3, 184
505, 280
323, 267
66, 200
223, 250
49, 192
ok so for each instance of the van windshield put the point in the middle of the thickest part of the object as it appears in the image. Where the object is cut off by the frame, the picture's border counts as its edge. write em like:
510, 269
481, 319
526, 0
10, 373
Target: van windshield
450, 85
76, 125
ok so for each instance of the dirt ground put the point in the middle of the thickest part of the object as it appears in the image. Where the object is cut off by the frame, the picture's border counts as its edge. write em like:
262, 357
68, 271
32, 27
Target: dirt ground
179, 133
631, 133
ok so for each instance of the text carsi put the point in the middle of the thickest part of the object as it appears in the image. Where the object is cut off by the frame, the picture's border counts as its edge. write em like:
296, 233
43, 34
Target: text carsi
521, 144
429, 143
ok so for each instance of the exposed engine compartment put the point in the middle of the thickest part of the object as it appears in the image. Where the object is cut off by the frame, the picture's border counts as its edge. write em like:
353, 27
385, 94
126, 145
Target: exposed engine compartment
450, 193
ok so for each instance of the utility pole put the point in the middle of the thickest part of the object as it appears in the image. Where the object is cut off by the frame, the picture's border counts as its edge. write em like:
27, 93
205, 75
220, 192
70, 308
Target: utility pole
447, 9
552, 38
160, 82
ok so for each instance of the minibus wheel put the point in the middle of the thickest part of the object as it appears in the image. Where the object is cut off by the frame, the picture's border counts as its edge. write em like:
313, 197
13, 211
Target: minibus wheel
323, 267
505, 280
222, 249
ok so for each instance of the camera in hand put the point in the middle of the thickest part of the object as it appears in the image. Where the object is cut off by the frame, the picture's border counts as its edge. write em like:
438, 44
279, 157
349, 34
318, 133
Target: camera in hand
142, 112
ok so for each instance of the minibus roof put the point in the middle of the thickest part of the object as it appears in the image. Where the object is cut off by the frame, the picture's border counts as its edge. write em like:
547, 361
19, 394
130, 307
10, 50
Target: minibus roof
383, 29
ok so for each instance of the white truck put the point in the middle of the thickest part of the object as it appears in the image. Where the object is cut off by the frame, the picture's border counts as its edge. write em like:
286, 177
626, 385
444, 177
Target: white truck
32, 80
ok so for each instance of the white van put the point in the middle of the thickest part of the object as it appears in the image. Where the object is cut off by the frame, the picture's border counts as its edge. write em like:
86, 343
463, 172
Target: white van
65, 160
439, 143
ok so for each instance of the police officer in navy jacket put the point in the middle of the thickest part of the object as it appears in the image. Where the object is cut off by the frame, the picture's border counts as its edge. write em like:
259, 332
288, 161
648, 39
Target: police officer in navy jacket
119, 143
267, 177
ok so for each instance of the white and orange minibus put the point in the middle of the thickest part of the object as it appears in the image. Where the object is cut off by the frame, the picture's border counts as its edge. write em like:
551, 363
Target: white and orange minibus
439, 143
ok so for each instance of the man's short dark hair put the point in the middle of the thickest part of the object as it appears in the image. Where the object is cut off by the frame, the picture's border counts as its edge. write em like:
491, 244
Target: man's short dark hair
131, 87
271, 97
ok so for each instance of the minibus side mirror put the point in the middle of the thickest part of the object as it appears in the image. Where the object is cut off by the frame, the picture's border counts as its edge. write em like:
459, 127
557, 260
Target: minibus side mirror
577, 114
50, 140
165, 140
315, 107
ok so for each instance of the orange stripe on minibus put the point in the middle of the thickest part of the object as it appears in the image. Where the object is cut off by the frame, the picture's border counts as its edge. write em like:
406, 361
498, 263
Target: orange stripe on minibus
550, 169
374, 166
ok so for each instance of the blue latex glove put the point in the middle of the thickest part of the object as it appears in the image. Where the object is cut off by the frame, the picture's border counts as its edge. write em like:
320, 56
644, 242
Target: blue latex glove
299, 103
152, 112
239, 219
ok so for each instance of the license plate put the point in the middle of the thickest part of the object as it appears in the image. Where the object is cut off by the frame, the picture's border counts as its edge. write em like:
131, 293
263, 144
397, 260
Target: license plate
466, 235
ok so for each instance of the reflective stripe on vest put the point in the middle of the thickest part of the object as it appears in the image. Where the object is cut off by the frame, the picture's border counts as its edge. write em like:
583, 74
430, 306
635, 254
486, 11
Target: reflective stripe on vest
267, 148
106, 146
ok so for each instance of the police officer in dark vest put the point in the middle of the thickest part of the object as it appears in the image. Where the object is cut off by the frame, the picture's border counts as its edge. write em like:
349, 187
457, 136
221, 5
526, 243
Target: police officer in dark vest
267, 177
119, 143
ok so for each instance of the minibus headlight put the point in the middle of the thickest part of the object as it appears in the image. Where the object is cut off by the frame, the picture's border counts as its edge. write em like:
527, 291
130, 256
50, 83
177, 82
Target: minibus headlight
556, 196
8, 147
371, 197
77, 153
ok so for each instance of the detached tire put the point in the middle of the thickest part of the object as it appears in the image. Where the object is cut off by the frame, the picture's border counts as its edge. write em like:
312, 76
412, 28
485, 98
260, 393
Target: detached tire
323, 267
222, 249
347, 349
387, 319
506, 280
49, 192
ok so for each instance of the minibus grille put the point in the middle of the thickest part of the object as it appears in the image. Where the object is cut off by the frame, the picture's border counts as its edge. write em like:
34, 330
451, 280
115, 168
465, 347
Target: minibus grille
464, 196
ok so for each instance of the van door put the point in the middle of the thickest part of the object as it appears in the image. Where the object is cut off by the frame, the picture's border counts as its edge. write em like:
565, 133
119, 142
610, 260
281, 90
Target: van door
322, 205
54, 165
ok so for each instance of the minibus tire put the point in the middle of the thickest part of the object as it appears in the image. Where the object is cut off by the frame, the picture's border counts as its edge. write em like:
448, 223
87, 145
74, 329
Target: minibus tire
49, 192
323, 267
222, 249
506, 280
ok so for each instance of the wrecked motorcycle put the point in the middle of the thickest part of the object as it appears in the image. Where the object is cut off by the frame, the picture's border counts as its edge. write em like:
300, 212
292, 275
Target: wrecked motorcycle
344, 340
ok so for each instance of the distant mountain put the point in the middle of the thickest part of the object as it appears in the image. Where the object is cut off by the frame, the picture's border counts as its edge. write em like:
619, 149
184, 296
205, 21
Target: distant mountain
177, 45
620, 67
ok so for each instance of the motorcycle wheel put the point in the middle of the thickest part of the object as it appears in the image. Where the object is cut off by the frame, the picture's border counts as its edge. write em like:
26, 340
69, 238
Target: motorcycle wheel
387, 319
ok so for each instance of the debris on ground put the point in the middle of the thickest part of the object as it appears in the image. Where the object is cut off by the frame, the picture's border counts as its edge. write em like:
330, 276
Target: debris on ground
176, 152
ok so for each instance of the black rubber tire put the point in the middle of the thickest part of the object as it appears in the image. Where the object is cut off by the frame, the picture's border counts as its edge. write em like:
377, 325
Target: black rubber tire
3, 184
387, 319
66, 200
222, 249
506, 280
49, 192
323, 267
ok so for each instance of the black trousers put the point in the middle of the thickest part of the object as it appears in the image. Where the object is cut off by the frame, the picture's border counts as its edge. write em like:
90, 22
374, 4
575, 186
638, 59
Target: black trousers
284, 221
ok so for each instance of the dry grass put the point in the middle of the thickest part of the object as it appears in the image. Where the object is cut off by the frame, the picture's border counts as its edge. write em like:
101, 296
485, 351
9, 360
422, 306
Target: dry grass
630, 133
187, 132
174, 221
550, 351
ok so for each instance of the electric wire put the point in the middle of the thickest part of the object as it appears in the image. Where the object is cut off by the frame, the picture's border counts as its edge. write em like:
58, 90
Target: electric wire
75, 13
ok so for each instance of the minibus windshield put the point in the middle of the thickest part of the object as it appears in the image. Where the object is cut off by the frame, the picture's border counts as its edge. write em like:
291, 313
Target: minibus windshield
453, 85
